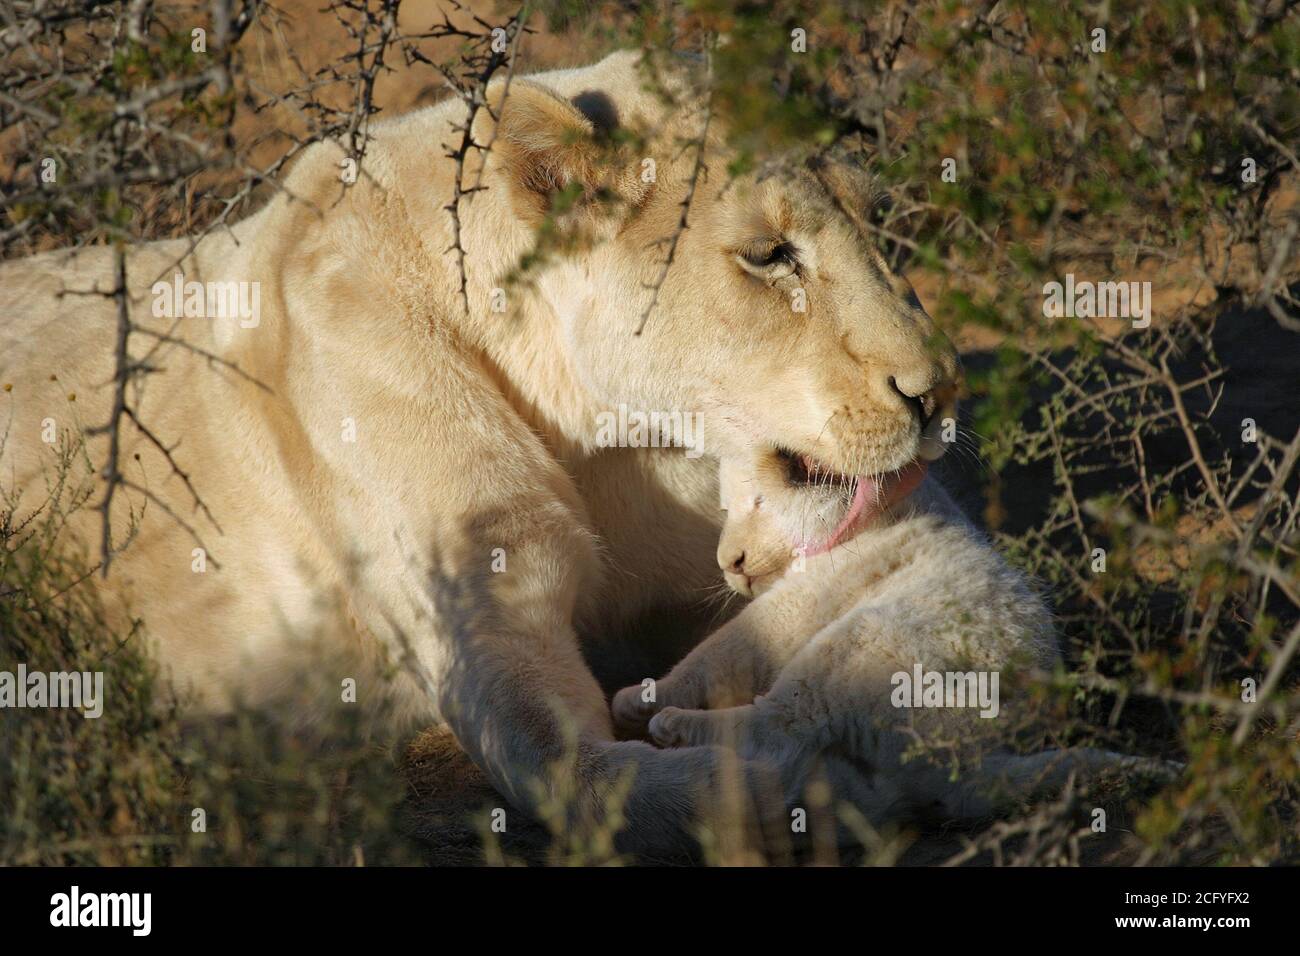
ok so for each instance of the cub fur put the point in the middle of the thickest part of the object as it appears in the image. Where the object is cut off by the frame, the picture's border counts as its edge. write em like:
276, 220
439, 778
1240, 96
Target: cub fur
807, 677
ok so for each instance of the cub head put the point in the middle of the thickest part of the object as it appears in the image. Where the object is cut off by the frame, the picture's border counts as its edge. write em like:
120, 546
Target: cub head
772, 522
753, 549
768, 308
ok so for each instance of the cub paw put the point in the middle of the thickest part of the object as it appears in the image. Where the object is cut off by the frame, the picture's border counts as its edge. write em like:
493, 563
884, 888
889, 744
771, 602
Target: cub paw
630, 712
666, 727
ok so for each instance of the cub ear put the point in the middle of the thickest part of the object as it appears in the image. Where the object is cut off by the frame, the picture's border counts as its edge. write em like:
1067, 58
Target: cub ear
542, 144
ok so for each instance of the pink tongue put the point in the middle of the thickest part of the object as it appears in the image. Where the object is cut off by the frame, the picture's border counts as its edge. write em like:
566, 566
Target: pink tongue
870, 498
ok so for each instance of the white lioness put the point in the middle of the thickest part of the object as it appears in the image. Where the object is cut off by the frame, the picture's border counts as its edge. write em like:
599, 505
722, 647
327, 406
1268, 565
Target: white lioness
864, 587
436, 477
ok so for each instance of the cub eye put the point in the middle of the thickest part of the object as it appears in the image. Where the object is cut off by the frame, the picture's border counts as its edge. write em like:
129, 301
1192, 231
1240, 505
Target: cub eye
771, 259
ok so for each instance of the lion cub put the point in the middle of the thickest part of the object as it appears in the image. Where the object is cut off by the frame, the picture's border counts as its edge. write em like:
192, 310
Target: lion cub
911, 626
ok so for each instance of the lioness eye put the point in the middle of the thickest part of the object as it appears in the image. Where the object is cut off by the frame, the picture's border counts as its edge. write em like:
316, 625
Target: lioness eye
771, 260
762, 255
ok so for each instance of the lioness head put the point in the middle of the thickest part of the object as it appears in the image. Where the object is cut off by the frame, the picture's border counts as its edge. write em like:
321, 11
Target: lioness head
778, 319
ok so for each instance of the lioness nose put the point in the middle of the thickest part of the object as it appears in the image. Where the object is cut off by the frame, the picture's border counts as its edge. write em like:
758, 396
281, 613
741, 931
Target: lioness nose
926, 400
927, 390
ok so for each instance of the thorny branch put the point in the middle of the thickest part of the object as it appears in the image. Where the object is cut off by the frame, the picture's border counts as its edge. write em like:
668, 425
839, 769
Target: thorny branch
492, 48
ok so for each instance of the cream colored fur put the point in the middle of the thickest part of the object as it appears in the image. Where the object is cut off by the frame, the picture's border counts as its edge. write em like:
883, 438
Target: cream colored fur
804, 677
474, 432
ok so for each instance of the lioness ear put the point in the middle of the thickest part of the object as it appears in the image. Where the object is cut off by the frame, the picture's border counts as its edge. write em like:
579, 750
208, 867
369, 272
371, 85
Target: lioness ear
544, 146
